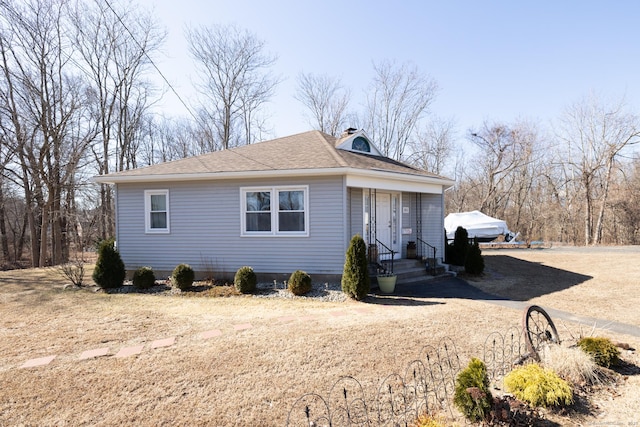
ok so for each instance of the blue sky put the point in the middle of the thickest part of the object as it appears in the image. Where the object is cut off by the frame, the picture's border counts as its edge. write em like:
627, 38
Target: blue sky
493, 60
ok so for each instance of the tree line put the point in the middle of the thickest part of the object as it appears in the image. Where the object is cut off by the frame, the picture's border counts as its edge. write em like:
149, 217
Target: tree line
77, 97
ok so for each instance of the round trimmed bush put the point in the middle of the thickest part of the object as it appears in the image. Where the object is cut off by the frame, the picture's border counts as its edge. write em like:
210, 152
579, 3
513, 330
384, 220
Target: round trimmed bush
538, 386
245, 280
183, 276
144, 278
299, 283
602, 350
109, 272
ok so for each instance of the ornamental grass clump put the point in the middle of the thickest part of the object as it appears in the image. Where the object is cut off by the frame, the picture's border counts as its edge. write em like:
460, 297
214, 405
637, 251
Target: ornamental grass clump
538, 386
245, 280
299, 283
109, 272
571, 363
143, 278
603, 351
355, 275
183, 276
472, 395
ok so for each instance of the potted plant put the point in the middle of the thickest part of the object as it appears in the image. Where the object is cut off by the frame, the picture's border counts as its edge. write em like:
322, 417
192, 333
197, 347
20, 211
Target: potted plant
387, 282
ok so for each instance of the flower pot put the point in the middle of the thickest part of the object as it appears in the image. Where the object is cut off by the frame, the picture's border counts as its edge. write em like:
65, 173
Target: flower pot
387, 284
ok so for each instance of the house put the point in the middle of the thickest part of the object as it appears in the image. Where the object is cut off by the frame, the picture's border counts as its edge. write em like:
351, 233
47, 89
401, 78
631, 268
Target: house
278, 206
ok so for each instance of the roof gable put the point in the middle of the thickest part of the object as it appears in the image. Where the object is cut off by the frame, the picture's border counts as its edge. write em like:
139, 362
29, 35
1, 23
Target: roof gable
356, 141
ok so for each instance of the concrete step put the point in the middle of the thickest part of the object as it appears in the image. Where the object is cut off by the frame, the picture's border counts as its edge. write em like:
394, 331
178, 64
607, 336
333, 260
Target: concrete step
413, 270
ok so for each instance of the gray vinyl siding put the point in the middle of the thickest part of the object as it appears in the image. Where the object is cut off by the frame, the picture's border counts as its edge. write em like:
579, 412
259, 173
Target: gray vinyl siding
355, 209
205, 225
432, 220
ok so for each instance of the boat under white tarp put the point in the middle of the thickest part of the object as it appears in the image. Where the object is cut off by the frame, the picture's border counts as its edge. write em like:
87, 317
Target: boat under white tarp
477, 224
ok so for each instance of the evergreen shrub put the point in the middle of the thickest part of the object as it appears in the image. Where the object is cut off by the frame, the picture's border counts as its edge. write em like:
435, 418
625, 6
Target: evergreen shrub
245, 280
144, 278
109, 272
183, 276
356, 282
472, 394
474, 263
460, 246
299, 283
602, 350
538, 386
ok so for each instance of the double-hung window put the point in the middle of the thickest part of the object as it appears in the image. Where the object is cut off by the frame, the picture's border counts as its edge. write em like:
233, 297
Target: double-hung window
275, 211
156, 206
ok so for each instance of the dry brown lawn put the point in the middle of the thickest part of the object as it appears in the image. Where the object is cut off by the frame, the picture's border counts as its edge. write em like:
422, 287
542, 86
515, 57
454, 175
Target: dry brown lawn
252, 375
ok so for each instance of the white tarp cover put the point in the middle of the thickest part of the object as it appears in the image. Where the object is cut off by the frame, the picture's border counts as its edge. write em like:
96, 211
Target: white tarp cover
477, 225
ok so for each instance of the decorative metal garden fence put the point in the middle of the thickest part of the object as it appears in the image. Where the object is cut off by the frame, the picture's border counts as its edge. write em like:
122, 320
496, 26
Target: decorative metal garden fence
428, 383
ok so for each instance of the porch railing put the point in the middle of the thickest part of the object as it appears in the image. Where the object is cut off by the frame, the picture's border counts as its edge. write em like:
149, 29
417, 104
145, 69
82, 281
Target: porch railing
379, 253
423, 251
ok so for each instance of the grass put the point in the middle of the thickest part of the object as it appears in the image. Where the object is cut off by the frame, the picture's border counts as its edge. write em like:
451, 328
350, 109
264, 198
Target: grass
242, 377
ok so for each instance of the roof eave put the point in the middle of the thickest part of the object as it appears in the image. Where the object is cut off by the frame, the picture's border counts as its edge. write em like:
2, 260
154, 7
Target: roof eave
208, 176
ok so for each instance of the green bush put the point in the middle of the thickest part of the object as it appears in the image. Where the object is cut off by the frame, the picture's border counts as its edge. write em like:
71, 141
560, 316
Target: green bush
460, 246
472, 394
355, 276
538, 386
603, 351
109, 272
144, 278
245, 280
474, 263
299, 283
183, 276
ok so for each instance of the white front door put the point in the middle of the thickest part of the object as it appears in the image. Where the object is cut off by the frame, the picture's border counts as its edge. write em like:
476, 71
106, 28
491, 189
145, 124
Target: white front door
387, 220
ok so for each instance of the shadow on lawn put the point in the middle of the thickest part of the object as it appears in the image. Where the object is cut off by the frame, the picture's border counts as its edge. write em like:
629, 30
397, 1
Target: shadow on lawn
395, 300
505, 278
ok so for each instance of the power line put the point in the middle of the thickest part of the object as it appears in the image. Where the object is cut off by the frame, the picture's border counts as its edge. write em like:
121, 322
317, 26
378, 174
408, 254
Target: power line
144, 51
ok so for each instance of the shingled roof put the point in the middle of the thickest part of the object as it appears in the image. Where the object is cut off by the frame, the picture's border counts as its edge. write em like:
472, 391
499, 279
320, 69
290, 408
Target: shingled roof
308, 151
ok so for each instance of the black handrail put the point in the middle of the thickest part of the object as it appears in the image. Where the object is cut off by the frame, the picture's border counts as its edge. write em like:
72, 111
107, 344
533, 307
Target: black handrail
389, 251
421, 251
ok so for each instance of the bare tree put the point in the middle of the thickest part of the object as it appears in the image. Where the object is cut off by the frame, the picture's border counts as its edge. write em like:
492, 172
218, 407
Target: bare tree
433, 146
397, 100
595, 133
47, 106
327, 101
114, 45
235, 81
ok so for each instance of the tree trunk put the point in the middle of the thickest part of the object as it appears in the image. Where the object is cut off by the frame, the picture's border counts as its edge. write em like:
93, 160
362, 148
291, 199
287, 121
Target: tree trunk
3, 230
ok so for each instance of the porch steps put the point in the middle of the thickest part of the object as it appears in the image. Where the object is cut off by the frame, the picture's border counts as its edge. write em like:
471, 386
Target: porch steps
413, 270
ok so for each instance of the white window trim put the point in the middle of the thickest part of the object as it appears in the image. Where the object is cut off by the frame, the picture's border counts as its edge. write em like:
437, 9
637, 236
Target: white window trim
147, 212
274, 211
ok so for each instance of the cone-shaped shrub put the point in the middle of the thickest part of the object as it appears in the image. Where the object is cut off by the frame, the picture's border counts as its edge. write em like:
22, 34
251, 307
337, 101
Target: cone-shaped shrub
460, 246
355, 276
474, 264
183, 276
109, 272
144, 278
245, 280
472, 395
299, 283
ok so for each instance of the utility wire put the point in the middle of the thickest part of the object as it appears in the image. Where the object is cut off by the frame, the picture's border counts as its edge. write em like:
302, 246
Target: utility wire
175, 92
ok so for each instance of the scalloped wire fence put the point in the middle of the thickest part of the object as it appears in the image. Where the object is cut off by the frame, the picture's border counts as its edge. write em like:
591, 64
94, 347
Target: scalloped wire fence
502, 352
427, 387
